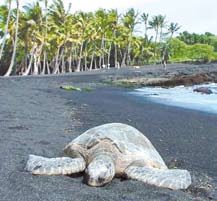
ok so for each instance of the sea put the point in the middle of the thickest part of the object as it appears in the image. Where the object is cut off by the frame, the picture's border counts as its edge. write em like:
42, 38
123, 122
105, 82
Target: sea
182, 96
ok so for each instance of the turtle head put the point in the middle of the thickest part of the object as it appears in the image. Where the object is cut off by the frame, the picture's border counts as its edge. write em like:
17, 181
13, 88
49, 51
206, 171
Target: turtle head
100, 171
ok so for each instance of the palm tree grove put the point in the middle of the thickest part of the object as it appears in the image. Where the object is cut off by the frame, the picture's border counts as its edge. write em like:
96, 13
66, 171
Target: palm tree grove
45, 37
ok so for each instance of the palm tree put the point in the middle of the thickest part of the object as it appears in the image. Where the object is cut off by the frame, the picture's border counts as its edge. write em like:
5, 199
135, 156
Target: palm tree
173, 27
56, 41
146, 45
162, 24
113, 19
102, 21
10, 69
156, 23
144, 18
6, 29
31, 27
58, 16
130, 20
34, 28
45, 66
81, 25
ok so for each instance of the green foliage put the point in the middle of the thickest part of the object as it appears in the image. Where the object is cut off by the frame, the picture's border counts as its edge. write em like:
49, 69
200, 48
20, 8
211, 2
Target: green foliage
213, 42
200, 52
213, 57
193, 38
72, 88
181, 52
51, 39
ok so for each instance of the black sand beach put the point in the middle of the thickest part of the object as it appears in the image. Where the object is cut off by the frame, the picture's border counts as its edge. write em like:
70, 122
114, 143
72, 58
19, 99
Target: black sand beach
37, 117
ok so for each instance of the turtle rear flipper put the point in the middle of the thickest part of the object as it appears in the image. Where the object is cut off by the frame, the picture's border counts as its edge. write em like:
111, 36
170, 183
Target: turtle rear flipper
167, 178
39, 165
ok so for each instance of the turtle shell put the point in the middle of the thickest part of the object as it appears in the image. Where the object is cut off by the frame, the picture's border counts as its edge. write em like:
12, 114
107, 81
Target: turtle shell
130, 142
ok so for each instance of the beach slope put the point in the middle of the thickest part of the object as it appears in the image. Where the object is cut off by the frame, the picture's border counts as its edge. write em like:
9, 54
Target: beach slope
37, 117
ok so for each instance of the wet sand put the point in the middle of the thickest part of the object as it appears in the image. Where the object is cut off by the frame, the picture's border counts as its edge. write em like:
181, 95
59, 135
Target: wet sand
37, 117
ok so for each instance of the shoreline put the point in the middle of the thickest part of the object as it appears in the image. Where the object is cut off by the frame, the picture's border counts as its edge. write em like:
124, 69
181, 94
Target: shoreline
37, 117
169, 77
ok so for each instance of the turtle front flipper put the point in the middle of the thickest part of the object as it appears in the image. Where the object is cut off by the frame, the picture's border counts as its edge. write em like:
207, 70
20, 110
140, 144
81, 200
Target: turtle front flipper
167, 178
39, 165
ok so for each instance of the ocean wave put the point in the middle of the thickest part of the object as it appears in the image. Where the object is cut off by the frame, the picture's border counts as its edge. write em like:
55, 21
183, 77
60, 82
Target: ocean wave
182, 96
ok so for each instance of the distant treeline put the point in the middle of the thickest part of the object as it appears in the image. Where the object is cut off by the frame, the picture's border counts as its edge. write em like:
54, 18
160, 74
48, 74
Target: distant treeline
45, 38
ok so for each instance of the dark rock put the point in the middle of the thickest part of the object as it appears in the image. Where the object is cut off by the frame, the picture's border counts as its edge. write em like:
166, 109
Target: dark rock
203, 90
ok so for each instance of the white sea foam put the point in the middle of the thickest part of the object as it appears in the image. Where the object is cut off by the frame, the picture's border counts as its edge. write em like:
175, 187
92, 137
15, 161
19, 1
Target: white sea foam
182, 96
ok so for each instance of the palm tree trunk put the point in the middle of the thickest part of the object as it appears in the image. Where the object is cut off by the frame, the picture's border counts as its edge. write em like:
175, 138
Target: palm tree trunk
95, 63
44, 46
100, 61
75, 60
85, 58
155, 44
56, 68
70, 59
26, 57
161, 35
10, 69
146, 27
103, 49
35, 69
6, 30
92, 59
116, 57
29, 67
101, 58
123, 63
48, 68
85, 62
128, 61
37, 59
80, 57
44, 62
30, 62
92, 56
63, 61
109, 54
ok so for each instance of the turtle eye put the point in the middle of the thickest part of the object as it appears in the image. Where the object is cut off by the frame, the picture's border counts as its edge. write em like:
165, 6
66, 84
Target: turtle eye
101, 180
37, 167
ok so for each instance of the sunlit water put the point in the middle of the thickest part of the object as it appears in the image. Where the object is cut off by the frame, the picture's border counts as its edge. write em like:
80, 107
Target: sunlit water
181, 96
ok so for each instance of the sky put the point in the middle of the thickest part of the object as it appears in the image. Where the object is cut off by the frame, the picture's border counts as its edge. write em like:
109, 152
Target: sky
197, 16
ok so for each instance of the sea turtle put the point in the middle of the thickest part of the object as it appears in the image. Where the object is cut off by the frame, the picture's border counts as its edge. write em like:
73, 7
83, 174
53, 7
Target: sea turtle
110, 150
